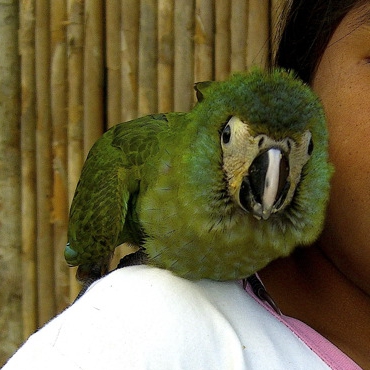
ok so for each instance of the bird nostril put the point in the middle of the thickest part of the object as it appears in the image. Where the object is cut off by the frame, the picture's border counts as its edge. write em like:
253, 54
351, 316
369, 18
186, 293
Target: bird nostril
289, 145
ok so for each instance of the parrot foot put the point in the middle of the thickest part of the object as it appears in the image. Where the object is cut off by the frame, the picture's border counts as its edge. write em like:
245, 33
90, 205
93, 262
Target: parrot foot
137, 258
85, 286
88, 274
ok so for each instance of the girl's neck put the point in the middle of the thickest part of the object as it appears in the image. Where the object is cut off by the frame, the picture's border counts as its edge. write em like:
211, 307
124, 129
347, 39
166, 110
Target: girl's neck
308, 287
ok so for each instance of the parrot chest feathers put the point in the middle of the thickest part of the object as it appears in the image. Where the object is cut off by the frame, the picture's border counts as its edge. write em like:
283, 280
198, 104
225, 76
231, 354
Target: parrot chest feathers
212, 240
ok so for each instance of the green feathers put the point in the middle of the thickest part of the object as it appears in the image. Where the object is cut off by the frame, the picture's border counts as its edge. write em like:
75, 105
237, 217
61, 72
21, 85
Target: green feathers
214, 193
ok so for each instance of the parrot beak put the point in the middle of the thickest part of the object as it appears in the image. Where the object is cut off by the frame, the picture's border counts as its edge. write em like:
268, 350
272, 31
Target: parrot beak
265, 187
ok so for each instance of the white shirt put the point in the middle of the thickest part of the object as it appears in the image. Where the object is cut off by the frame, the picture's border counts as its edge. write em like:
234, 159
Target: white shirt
142, 317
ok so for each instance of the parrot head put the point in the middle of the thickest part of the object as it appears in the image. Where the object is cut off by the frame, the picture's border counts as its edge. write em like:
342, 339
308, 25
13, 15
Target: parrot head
266, 138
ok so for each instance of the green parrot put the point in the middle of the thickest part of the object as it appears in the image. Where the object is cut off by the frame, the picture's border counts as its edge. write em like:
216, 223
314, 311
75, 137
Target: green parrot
218, 192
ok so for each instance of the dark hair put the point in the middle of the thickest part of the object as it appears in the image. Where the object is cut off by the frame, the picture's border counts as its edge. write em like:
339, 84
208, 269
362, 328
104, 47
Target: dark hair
306, 31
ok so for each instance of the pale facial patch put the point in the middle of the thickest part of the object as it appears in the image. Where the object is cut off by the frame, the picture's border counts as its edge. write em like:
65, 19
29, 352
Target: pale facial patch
240, 149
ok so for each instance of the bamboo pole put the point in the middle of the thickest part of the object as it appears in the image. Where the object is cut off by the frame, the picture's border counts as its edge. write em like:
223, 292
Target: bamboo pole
75, 39
130, 14
147, 98
222, 39
238, 31
93, 73
258, 33
165, 55
28, 150
10, 212
58, 17
45, 255
183, 47
127, 74
204, 40
113, 61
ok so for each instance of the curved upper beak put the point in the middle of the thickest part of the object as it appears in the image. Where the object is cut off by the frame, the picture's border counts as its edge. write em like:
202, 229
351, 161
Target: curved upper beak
265, 187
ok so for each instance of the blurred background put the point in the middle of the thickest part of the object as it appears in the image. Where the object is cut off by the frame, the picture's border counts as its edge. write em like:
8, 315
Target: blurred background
70, 69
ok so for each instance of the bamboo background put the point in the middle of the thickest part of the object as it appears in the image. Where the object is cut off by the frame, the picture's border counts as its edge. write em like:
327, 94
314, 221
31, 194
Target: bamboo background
69, 69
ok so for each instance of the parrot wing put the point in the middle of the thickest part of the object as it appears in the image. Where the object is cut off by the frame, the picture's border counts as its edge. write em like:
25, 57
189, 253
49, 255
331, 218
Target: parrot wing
102, 207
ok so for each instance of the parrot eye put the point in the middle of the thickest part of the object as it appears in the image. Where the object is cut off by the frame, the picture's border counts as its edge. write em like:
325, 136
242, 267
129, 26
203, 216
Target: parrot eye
310, 147
226, 134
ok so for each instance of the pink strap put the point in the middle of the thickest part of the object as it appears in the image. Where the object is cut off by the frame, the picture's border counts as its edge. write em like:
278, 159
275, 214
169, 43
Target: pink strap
326, 350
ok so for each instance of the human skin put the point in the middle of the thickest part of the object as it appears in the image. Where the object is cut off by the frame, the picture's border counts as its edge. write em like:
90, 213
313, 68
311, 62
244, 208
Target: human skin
328, 285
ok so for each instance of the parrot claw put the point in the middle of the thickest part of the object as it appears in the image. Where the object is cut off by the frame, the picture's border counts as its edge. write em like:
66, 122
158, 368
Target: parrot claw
137, 258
